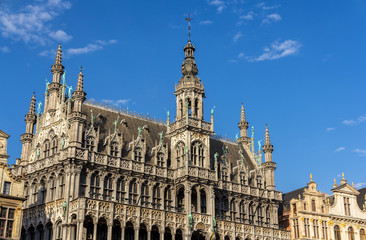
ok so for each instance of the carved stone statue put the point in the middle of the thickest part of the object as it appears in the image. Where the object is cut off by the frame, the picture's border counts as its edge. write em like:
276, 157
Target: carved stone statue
64, 206
190, 220
214, 224
139, 129
63, 141
47, 83
115, 125
212, 110
161, 137
64, 78
91, 117
39, 107
38, 153
69, 94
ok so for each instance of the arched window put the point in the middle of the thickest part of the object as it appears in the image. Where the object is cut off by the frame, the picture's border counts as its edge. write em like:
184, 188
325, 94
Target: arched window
107, 188
120, 190
260, 215
144, 194
203, 201
242, 179
114, 149
160, 160
197, 157
156, 196
196, 108
138, 154
181, 108
251, 213
232, 210
304, 206
133, 192
52, 184
313, 205
90, 143
95, 185
259, 182
61, 184
54, 146
180, 151
268, 215
337, 233
168, 198
34, 192
351, 234
362, 234
43, 191
242, 211
46, 148
59, 231
26, 194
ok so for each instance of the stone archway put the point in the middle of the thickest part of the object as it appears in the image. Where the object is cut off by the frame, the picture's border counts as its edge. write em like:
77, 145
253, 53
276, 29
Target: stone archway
178, 235
198, 235
102, 229
142, 232
167, 234
129, 233
88, 230
155, 233
116, 230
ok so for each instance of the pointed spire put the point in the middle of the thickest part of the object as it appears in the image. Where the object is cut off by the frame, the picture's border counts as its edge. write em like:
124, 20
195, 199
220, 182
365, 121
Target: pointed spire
32, 107
80, 86
267, 139
242, 114
58, 60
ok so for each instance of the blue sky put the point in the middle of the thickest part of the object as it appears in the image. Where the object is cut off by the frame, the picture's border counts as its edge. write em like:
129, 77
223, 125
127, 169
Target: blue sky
297, 65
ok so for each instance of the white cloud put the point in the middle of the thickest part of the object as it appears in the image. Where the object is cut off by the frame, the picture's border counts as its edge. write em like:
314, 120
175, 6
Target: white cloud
277, 50
32, 23
48, 53
237, 36
206, 22
330, 129
118, 102
340, 149
351, 122
263, 6
219, 4
4, 49
241, 55
360, 185
272, 18
60, 35
361, 152
248, 16
91, 47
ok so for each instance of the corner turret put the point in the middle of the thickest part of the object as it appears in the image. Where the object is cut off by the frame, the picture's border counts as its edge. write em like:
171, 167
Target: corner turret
27, 138
269, 165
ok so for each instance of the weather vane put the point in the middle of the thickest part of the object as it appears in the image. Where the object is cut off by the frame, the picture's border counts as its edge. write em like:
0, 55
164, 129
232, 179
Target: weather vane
189, 19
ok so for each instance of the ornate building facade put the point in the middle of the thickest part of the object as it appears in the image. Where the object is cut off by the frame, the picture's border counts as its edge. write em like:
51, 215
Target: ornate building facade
309, 214
11, 196
99, 172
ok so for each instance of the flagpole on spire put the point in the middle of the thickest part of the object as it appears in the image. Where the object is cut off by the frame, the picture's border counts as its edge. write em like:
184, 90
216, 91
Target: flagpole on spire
189, 19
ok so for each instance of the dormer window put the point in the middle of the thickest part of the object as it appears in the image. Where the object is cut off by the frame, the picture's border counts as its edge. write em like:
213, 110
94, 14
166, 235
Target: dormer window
138, 154
160, 160
347, 206
90, 143
114, 149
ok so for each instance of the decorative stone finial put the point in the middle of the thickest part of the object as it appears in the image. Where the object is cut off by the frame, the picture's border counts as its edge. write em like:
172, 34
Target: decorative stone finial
267, 139
342, 176
335, 183
59, 55
32, 107
242, 114
80, 86
311, 177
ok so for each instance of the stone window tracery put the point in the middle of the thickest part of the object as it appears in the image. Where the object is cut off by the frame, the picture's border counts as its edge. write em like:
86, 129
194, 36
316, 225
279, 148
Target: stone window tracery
203, 201
242, 211
347, 206
337, 233
95, 185
114, 149
313, 208
316, 228
362, 234
160, 160
180, 153
120, 189
168, 198
52, 185
46, 148
138, 154
156, 196
133, 192
54, 146
232, 210
197, 152
107, 188
351, 234
43, 191
61, 185
34, 192
325, 230
90, 143
144, 194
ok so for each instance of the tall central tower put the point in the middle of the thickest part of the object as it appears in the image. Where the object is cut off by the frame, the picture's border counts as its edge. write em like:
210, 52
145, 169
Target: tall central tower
190, 134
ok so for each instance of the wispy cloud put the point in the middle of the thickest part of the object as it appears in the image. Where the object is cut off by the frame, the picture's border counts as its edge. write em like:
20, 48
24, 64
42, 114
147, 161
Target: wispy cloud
206, 22
91, 47
360, 185
60, 35
219, 4
351, 122
248, 16
117, 102
272, 18
263, 6
361, 152
330, 129
277, 50
340, 149
4, 49
237, 36
32, 23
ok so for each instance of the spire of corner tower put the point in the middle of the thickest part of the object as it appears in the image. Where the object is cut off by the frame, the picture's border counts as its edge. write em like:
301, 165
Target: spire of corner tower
267, 147
57, 69
79, 94
32, 106
243, 125
80, 84
267, 139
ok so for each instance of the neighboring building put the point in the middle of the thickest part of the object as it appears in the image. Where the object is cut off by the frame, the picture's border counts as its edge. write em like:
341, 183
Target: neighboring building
309, 214
98, 172
11, 196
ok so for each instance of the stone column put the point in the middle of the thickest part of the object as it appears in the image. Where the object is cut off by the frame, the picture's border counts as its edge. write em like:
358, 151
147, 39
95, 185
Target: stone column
109, 236
161, 235
148, 235
173, 236
122, 233
187, 199
198, 191
136, 237
77, 174
95, 231
80, 229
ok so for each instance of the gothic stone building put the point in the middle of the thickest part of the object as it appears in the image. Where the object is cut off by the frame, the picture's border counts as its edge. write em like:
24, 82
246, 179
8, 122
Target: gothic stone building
309, 214
99, 172
11, 195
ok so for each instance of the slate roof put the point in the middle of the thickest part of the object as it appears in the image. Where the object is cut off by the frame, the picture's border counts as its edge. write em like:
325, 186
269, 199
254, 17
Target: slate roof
291, 195
361, 197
